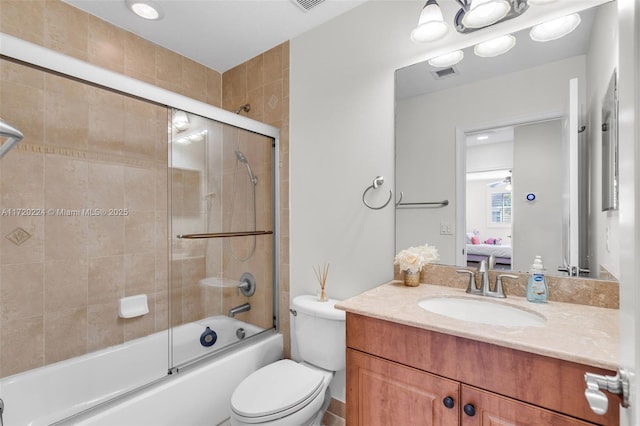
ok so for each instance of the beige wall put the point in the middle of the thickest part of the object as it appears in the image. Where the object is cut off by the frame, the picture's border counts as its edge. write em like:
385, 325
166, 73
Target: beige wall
86, 147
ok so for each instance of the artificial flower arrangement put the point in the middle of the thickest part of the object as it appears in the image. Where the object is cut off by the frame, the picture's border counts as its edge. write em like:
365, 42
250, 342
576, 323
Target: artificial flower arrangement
414, 258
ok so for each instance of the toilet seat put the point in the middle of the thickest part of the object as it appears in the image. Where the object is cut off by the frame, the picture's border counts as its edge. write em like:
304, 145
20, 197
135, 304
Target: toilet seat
276, 391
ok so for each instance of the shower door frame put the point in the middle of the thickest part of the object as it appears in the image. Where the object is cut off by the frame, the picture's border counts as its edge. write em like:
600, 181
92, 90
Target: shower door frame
33, 54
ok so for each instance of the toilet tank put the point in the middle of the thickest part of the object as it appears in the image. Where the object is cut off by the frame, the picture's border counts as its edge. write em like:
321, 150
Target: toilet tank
320, 332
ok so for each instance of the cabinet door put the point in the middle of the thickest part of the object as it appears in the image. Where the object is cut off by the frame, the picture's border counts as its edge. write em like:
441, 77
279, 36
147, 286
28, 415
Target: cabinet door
484, 408
384, 393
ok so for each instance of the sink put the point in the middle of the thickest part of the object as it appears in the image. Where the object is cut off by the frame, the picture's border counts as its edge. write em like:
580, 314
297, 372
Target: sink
483, 311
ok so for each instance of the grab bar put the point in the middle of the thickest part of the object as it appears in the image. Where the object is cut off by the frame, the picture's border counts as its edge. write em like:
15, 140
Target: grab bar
14, 136
378, 181
400, 204
222, 234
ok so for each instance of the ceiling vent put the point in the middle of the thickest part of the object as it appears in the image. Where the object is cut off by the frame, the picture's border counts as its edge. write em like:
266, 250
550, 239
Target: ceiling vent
307, 5
445, 73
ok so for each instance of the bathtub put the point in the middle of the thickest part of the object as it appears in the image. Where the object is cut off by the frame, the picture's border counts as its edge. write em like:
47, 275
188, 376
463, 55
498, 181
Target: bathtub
128, 385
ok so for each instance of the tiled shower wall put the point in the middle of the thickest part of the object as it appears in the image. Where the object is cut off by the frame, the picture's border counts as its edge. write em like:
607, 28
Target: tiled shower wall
88, 262
263, 82
63, 273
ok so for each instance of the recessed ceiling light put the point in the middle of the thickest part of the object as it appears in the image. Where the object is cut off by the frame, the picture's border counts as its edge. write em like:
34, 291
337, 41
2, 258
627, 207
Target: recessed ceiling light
145, 9
495, 47
447, 60
555, 29
482, 137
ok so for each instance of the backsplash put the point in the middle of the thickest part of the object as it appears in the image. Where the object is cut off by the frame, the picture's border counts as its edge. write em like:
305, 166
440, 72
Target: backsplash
581, 291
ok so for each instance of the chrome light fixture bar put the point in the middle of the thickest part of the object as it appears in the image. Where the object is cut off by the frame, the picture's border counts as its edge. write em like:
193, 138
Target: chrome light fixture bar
477, 14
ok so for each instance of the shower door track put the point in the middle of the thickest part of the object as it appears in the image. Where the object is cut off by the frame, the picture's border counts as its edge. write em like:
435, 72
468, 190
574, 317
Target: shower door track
223, 234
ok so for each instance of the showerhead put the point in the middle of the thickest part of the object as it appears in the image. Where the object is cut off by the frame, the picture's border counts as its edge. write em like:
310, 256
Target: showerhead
243, 159
240, 156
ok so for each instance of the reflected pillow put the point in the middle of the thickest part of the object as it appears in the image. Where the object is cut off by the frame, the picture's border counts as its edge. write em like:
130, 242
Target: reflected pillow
475, 240
470, 236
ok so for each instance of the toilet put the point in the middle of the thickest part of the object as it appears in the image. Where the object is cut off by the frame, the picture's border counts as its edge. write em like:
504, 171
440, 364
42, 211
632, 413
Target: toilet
288, 393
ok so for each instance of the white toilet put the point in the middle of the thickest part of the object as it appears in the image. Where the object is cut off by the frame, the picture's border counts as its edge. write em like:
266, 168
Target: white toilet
288, 393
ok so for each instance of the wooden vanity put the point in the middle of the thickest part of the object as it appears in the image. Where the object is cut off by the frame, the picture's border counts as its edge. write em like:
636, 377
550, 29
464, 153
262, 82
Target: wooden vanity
406, 366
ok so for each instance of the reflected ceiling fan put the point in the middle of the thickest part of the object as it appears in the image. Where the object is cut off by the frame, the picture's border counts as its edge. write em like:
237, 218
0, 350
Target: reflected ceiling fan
506, 182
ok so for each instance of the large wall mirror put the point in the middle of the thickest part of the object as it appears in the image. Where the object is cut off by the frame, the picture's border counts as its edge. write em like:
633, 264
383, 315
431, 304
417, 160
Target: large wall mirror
514, 144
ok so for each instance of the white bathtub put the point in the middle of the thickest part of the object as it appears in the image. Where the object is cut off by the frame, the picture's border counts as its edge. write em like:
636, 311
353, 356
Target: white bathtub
196, 395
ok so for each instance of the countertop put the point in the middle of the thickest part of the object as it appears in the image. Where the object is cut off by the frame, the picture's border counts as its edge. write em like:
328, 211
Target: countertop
578, 333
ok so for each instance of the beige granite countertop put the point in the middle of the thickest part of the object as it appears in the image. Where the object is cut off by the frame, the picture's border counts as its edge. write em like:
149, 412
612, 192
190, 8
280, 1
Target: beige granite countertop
578, 333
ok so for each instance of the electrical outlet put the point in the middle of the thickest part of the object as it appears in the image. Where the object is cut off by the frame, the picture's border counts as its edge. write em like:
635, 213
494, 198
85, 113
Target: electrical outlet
445, 228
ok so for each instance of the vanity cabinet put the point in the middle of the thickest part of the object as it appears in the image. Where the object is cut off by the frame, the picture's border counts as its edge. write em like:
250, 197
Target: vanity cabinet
403, 375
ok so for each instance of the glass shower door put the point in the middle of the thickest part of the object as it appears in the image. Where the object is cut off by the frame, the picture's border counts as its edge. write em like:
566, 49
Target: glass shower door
222, 243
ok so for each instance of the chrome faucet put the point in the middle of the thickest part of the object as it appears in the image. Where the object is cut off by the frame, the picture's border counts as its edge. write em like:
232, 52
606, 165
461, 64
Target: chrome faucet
485, 289
240, 308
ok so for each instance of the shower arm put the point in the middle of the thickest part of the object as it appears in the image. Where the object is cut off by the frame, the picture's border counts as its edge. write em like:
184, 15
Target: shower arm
14, 136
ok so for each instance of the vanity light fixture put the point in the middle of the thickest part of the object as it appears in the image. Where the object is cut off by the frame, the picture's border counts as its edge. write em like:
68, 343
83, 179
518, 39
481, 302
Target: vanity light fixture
473, 15
555, 28
482, 13
145, 9
431, 25
447, 60
495, 47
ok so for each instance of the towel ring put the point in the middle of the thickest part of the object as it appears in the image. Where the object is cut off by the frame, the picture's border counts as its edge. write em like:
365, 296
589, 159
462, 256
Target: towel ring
378, 181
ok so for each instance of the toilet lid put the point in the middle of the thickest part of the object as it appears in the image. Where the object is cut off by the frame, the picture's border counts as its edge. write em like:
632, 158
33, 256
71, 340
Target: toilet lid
279, 388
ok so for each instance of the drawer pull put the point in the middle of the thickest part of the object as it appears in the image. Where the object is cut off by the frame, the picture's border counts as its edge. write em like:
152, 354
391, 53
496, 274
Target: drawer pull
448, 402
469, 410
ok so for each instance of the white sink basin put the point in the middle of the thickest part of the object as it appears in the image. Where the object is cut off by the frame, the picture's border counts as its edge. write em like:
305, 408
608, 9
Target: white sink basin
485, 311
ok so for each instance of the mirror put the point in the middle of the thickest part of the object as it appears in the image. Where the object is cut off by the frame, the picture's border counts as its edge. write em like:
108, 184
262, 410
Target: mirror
522, 100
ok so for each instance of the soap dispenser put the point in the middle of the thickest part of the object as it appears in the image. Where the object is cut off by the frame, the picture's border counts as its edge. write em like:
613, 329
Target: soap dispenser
537, 289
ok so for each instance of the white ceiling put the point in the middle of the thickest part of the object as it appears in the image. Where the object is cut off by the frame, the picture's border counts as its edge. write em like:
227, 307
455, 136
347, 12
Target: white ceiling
219, 33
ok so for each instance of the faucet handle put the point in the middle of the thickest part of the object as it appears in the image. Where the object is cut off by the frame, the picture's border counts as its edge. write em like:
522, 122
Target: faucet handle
471, 288
499, 288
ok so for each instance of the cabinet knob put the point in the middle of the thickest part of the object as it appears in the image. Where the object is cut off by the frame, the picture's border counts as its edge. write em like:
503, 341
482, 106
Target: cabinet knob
448, 402
469, 410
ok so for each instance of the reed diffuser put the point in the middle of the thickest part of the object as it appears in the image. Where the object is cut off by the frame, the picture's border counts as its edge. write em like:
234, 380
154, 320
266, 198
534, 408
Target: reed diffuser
322, 279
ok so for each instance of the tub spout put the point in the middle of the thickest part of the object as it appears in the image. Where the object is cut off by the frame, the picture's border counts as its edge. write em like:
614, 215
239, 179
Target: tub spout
240, 308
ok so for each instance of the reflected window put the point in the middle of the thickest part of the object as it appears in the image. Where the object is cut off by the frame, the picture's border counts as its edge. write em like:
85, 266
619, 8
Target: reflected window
500, 203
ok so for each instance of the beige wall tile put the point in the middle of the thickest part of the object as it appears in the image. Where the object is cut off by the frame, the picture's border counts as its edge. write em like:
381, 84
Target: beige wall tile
24, 181
273, 64
66, 29
22, 291
17, 353
23, 19
105, 186
25, 111
65, 284
106, 122
139, 273
214, 87
139, 228
66, 183
194, 79
65, 334
106, 236
104, 328
66, 113
105, 45
30, 250
139, 58
169, 70
65, 237
105, 280
140, 189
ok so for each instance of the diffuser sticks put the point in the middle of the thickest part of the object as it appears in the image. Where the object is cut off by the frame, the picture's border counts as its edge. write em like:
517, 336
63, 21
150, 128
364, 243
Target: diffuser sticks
321, 275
